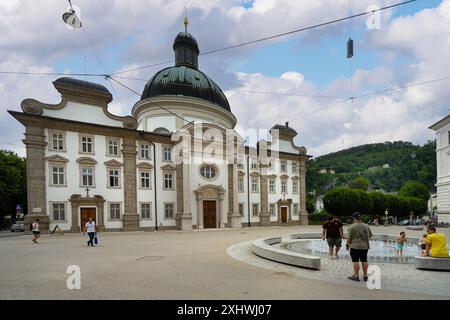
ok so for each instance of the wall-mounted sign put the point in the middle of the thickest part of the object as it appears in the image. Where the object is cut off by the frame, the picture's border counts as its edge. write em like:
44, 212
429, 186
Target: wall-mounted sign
37, 210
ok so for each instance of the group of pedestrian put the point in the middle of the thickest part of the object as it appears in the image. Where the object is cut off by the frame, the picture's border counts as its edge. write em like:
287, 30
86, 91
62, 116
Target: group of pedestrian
357, 243
432, 244
90, 228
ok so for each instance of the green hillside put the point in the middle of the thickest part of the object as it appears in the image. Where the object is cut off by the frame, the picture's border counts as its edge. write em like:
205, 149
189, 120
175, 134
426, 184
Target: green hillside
402, 161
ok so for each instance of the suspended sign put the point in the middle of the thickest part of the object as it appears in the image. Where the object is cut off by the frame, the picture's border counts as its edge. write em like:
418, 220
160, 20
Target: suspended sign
349, 48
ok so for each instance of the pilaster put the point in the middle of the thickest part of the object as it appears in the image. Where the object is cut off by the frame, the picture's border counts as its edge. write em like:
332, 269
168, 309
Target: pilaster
36, 186
130, 216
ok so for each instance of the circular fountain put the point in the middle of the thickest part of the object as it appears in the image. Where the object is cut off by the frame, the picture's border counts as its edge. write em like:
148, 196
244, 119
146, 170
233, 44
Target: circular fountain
380, 251
306, 250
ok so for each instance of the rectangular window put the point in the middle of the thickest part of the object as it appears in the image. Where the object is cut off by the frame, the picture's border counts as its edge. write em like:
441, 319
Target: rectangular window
254, 185
144, 151
168, 210
87, 145
272, 210
241, 209
114, 211
241, 184
146, 211
254, 164
58, 176
283, 186
271, 186
295, 209
294, 167
113, 178
58, 141
167, 153
113, 147
59, 211
87, 177
294, 186
255, 210
283, 166
168, 181
145, 180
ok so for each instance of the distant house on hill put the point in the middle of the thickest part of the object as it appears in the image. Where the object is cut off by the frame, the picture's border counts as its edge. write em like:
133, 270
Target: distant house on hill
325, 171
386, 166
319, 204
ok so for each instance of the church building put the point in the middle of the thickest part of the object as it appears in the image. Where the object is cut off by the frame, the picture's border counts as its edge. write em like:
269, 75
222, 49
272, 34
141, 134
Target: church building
175, 163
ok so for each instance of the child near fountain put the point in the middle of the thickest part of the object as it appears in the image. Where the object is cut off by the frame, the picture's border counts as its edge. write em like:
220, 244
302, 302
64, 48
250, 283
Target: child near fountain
423, 243
400, 243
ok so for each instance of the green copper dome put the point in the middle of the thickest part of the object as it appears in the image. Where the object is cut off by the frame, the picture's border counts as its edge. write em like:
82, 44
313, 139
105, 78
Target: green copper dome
184, 79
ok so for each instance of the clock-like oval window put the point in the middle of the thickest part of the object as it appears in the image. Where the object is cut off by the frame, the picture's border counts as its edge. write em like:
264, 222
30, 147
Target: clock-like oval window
208, 171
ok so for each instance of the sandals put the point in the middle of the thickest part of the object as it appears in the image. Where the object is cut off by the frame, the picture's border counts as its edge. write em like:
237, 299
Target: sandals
354, 278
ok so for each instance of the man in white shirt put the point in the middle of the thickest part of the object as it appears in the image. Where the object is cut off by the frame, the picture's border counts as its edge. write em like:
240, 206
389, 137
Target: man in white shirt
90, 229
35, 230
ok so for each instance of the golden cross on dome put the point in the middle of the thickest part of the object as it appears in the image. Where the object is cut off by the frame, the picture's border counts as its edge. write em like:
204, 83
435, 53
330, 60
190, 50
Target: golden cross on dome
186, 20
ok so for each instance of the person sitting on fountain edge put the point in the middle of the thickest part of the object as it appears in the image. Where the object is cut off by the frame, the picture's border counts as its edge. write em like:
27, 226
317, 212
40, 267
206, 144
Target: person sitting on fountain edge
436, 244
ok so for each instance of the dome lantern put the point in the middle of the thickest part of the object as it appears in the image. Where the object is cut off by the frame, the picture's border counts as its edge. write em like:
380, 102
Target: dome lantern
186, 48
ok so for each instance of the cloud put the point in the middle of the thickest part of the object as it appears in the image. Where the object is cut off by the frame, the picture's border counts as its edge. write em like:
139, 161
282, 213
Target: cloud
130, 34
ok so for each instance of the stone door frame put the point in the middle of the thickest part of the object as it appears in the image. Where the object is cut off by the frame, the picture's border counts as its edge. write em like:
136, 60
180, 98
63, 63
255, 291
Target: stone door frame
210, 192
77, 202
287, 204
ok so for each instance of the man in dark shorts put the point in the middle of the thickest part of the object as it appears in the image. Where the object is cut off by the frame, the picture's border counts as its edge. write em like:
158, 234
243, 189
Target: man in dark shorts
333, 232
35, 230
359, 234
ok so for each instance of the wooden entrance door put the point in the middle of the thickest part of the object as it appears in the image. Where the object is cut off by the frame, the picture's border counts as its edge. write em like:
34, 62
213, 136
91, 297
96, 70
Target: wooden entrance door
87, 213
283, 215
209, 214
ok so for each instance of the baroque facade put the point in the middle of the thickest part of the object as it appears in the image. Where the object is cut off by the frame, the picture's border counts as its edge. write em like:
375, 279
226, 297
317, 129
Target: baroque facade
442, 130
175, 163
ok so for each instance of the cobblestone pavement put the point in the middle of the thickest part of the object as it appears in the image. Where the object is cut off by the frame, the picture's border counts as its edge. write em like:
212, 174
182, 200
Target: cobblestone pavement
394, 277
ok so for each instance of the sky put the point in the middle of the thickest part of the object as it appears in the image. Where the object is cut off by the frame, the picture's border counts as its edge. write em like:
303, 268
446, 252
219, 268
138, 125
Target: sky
306, 77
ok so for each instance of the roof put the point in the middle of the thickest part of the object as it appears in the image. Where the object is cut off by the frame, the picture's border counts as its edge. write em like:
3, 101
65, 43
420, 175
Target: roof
185, 81
81, 84
440, 123
284, 129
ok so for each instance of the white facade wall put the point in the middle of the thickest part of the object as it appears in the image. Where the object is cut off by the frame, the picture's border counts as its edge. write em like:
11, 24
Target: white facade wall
73, 176
443, 173
73, 110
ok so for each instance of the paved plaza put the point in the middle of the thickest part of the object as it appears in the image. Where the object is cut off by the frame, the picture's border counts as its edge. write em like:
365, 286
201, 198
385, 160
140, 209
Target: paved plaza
215, 264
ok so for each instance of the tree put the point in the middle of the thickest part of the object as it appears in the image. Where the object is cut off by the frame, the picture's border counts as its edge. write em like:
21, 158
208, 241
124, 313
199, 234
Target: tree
364, 203
380, 203
340, 201
310, 206
418, 205
12, 183
414, 189
405, 207
360, 183
393, 204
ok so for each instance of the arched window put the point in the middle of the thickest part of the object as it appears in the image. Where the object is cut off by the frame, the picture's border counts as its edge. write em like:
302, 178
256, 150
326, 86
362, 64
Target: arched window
208, 171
